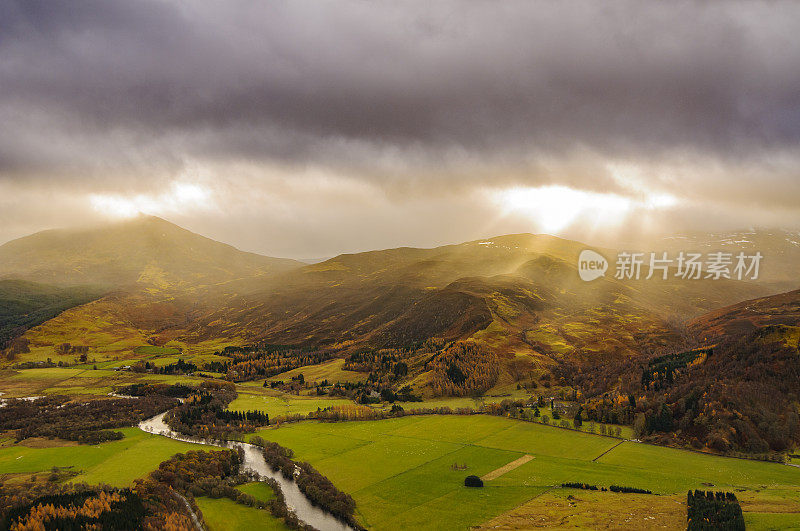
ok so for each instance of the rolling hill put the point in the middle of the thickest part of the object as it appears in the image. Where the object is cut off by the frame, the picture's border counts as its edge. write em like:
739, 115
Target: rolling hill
145, 251
780, 248
518, 295
129, 279
739, 390
730, 386
776, 312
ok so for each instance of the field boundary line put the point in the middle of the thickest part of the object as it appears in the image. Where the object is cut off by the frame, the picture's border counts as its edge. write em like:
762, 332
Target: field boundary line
604, 453
331, 434
475, 443
409, 470
59, 382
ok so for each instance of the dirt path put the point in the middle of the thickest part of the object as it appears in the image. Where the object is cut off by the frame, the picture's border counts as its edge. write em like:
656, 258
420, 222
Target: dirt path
494, 474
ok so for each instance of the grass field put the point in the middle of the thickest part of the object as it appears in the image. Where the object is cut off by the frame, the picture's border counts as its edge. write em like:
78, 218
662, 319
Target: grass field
83, 380
258, 490
116, 463
332, 371
276, 404
400, 470
225, 515
772, 521
564, 508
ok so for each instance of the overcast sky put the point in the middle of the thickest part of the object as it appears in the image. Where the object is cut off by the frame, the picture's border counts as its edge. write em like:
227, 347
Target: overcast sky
307, 128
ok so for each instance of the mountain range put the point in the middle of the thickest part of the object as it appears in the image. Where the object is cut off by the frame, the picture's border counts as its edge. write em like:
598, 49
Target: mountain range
147, 281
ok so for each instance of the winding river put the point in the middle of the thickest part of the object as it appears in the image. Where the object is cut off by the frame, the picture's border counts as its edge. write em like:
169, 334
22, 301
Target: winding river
254, 461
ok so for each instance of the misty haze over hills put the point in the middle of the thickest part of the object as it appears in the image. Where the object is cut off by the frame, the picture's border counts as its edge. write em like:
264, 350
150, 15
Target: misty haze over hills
515, 292
144, 249
119, 253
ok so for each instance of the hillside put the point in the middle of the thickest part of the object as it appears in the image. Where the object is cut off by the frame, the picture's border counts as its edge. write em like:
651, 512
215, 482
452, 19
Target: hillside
747, 386
146, 250
518, 295
733, 390
780, 248
142, 276
24, 304
776, 312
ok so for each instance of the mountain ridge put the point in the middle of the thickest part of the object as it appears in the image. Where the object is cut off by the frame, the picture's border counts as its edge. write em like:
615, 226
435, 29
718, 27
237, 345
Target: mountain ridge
519, 294
129, 252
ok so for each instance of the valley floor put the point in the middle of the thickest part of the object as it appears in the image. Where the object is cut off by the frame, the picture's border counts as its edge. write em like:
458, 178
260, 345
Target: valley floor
408, 473
401, 474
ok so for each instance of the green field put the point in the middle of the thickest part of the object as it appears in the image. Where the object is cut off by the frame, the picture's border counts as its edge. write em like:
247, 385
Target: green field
83, 380
332, 371
772, 521
225, 515
258, 490
116, 463
399, 470
277, 404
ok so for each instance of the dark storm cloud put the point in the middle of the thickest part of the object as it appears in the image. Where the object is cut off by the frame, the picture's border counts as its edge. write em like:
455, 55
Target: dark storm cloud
309, 117
394, 86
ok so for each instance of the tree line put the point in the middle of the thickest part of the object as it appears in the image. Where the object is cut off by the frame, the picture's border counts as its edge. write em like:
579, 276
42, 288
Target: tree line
612, 488
264, 360
74, 508
147, 389
89, 422
204, 414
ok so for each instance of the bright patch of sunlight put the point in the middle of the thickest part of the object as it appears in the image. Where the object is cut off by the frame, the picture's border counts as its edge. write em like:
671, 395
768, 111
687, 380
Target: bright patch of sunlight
179, 198
554, 208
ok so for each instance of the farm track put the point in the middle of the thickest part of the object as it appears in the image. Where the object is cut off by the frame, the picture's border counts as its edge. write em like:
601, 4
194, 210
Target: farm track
494, 474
